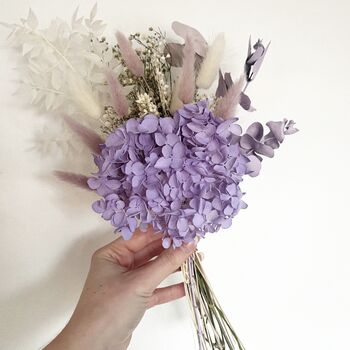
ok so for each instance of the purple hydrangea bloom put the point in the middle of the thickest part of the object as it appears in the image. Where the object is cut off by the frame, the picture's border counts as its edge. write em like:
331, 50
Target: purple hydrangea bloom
181, 175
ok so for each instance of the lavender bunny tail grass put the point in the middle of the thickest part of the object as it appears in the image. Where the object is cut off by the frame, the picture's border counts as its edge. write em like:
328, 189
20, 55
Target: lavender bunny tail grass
77, 180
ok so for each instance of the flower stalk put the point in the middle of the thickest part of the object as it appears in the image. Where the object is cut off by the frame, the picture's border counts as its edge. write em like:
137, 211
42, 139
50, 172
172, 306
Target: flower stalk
214, 330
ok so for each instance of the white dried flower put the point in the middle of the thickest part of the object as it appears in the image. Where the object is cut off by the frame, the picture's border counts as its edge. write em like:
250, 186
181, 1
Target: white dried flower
210, 66
145, 104
48, 56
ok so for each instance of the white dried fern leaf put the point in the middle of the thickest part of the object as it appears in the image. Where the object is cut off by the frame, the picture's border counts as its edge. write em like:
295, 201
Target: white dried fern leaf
55, 139
50, 57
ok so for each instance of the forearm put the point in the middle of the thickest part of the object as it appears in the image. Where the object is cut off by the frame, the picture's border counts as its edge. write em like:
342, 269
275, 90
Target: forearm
78, 337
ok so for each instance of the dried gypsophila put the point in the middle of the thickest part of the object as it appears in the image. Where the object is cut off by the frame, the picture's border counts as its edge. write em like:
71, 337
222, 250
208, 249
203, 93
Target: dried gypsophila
145, 105
150, 92
110, 120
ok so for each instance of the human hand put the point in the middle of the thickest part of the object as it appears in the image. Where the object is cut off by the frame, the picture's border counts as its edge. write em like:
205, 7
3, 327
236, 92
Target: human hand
121, 285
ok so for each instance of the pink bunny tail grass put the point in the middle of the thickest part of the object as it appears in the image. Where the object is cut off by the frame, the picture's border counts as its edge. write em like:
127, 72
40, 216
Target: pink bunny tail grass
187, 83
129, 55
227, 106
118, 98
77, 180
176, 103
89, 137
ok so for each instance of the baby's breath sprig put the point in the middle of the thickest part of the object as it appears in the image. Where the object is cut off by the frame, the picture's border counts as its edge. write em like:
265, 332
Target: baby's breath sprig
110, 120
146, 105
212, 99
150, 93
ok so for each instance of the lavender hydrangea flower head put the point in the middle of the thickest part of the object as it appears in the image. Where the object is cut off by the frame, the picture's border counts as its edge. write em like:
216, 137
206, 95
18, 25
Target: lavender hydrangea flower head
181, 175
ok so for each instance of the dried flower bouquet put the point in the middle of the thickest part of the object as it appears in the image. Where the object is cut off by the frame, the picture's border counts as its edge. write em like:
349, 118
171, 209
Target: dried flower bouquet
168, 154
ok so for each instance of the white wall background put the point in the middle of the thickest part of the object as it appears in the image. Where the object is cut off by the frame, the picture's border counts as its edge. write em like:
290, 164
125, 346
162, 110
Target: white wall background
282, 271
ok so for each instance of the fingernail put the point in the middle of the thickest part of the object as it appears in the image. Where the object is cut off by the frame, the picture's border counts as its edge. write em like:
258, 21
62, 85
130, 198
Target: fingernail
189, 247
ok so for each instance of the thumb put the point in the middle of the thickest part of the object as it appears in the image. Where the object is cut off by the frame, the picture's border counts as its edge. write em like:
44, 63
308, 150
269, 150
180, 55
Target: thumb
166, 263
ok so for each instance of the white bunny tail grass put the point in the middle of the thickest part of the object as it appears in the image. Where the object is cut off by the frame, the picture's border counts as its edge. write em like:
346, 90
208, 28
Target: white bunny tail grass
77, 180
129, 55
83, 97
88, 136
210, 66
187, 85
227, 106
118, 98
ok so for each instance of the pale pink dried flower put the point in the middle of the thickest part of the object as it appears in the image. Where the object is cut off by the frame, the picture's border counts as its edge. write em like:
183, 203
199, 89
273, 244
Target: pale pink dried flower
77, 180
89, 137
226, 107
132, 60
187, 77
118, 98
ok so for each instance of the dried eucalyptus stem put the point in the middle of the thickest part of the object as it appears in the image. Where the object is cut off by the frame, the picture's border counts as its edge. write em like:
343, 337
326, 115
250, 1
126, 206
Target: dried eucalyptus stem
214, 330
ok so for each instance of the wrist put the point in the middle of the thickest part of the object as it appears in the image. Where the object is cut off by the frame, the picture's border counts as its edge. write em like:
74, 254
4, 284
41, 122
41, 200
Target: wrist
71, 338
77, 338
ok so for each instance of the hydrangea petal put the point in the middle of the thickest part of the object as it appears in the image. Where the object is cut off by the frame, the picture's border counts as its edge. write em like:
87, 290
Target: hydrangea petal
163, 163
198, 220
149, 124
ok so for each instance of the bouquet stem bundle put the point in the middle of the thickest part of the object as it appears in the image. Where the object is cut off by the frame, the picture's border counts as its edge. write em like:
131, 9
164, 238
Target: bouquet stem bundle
214, 330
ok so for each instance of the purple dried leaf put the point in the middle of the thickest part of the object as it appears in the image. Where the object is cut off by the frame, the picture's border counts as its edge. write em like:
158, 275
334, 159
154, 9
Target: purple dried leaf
290, 129
277, 132
254, 59
175, 52
246, 103
228, 79
256, 130
249, 143
253, 166
221, 90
